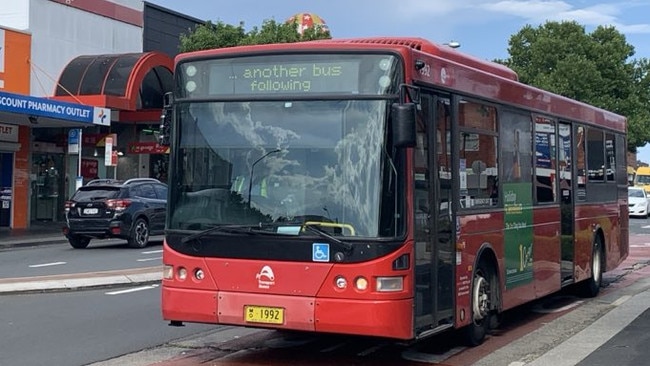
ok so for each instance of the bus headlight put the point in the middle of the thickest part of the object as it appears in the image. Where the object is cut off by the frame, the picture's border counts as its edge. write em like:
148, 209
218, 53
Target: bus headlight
390, 284
361, 283
182, 274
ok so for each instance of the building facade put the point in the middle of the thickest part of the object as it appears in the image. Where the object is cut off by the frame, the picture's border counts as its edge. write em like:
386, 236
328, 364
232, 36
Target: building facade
108, 61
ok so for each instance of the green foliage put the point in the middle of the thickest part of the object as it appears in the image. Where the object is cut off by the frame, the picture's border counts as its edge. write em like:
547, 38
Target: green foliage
594, 68
220, 35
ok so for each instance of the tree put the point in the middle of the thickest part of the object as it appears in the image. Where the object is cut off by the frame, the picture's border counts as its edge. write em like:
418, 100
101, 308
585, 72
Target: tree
220, 35
593, 68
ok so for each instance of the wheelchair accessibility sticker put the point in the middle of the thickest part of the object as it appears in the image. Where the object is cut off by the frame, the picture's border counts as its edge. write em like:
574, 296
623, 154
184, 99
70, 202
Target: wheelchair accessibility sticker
320, 252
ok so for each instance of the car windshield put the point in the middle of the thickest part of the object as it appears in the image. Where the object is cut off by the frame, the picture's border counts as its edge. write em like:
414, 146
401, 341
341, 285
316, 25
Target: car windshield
635, 193
643, 179
293, 162
93, 193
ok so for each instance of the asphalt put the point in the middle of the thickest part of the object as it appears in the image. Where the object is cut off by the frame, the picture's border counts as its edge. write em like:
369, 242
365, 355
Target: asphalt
49, 233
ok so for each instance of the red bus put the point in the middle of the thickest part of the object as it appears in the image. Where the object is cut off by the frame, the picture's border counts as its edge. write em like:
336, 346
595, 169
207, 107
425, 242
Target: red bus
386, 187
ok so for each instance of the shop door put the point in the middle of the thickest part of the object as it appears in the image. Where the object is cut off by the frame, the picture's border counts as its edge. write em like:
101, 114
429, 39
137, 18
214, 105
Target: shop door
6, 187
47, 189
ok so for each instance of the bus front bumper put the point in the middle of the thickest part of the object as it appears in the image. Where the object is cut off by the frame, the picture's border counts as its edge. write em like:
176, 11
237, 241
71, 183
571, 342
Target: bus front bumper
391, 319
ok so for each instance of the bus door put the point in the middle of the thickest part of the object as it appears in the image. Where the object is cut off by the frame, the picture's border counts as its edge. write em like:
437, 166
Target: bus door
565, 170
434, 226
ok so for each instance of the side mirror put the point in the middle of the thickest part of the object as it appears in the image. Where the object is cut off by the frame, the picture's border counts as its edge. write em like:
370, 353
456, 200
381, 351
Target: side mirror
403, 124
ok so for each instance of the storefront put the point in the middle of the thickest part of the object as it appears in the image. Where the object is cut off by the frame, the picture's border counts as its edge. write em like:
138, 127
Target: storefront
8, 145
34, 160
126, 69
132, 85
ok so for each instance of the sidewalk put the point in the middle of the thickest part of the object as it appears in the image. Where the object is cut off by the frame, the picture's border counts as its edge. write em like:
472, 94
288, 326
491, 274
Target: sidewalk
39, 233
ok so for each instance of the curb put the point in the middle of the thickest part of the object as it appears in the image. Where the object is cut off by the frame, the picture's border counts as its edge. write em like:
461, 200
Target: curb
32, 242
81, 280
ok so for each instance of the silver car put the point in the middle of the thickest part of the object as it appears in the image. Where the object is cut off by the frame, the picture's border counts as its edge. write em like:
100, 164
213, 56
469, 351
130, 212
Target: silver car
638, 203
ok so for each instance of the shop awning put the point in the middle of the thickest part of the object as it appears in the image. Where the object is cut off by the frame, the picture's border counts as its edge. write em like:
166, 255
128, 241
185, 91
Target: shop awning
37, 112
124, 82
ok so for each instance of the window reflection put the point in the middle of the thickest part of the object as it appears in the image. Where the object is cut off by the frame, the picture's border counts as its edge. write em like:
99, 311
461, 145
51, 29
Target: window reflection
285, 161
479, 185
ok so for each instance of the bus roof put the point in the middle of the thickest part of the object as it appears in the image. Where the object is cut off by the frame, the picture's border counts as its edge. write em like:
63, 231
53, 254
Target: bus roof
415, 43
451, 69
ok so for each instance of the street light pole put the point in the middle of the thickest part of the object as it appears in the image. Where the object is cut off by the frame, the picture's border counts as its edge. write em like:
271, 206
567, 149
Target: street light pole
250, 179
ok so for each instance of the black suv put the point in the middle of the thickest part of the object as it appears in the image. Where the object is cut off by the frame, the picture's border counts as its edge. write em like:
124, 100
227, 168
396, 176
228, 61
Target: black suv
108, 208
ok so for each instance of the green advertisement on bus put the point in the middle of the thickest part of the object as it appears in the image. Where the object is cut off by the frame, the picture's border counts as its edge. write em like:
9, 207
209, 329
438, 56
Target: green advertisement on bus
518, 235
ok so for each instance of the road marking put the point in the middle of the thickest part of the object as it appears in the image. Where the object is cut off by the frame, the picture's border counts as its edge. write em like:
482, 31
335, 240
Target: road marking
152, 251
149, 259
135, 289
642, 245
645, 227
370, 350
46, 264
412, 355
542, 309
332, 348
621, 300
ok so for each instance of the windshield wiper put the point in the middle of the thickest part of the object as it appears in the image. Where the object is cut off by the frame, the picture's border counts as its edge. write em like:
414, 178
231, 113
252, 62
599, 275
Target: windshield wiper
312, 228
232, 229
255, 229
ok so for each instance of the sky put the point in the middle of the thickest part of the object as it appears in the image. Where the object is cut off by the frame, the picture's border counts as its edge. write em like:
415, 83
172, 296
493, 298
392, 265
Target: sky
482, 27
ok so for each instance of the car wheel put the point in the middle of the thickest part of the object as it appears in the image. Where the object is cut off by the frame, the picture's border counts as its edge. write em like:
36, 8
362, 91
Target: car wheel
139, 237
78, 242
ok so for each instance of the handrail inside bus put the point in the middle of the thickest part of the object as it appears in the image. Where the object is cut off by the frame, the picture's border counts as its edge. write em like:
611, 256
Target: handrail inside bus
332, 224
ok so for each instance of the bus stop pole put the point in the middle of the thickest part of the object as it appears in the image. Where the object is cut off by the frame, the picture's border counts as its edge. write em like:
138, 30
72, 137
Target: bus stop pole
79, 180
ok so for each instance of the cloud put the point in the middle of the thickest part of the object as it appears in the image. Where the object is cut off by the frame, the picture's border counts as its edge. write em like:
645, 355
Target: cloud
539, 11
610, 13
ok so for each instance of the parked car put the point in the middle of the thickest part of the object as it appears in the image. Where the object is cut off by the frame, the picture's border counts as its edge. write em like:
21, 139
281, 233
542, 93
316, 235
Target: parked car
106, 208
638, 203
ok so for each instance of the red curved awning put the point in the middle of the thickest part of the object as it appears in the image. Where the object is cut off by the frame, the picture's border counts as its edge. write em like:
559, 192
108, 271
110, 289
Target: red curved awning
128, 81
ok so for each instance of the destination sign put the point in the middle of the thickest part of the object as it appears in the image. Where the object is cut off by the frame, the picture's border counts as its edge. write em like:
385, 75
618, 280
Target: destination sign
290, 74
308, 77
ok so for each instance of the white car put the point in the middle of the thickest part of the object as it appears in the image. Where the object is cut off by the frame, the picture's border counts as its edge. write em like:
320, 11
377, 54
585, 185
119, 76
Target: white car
638, 203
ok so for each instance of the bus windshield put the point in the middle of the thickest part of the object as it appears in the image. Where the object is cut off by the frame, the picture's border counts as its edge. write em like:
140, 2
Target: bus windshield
287, 162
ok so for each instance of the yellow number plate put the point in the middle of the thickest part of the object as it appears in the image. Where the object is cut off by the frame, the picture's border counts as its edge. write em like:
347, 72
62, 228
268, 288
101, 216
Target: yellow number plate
263, 314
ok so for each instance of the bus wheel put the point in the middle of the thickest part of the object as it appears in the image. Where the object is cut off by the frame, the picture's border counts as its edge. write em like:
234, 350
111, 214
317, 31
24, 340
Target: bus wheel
480, 303
591, 286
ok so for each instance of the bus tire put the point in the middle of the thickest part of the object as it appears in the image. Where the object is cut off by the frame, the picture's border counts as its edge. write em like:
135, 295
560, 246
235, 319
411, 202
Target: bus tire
481, 304
591, 286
